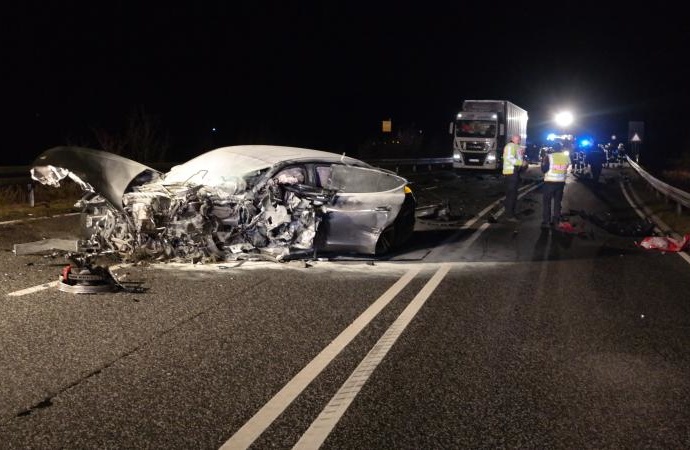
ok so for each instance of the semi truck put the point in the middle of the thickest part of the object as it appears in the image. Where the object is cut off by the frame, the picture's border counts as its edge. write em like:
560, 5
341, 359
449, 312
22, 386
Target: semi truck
481, 130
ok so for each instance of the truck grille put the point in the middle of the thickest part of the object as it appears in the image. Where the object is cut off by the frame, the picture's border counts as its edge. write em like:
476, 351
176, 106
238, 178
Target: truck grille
473, 159
474, 146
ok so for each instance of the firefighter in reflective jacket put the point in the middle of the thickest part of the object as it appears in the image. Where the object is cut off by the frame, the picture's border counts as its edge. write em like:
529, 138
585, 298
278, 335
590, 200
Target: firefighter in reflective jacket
555, 167
513, 164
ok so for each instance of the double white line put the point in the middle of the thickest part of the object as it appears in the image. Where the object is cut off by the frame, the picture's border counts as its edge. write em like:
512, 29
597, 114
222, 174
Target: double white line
319, 430
322, 426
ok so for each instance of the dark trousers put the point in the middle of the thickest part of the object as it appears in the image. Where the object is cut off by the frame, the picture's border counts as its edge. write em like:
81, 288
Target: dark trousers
552, 192
512, 185
596, 172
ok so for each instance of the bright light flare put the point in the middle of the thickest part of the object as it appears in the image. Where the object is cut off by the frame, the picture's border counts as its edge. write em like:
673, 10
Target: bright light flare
564, 118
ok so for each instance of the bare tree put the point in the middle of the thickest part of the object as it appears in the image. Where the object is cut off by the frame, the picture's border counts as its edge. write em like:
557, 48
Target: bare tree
110, 142
142, 139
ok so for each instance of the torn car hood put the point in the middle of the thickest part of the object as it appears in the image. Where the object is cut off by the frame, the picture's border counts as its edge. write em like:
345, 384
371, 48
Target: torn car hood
99, 171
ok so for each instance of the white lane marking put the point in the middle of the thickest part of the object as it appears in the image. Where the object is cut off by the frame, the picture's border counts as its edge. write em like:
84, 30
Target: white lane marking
31, 219
251, 430
634, 206
33, 289
523, 191
322, 426
44, 286
683, 255
441, 248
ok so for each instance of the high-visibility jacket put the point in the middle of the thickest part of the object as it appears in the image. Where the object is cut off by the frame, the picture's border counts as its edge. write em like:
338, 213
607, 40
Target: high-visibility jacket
511, 157
558, 168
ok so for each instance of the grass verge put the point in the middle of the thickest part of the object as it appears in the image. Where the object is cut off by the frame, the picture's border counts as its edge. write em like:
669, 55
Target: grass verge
48, 201
664, 208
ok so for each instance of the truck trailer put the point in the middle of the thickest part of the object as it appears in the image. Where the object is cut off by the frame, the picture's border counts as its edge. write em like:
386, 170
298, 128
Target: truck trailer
481, 130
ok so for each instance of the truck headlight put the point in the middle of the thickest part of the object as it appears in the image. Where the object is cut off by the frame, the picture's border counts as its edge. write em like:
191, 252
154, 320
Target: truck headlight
491, 157
456, 155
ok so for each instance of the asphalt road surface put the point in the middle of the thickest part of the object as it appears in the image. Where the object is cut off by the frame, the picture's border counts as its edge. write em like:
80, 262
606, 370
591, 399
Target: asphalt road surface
480, 334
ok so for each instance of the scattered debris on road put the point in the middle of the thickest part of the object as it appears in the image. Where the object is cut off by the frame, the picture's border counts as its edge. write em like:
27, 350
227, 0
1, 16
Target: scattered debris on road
87, 280
440, 214
665, 243
567, 227
606, 221
32, 248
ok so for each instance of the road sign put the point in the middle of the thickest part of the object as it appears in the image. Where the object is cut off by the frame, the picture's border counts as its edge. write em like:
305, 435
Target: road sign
636, 132
635, 137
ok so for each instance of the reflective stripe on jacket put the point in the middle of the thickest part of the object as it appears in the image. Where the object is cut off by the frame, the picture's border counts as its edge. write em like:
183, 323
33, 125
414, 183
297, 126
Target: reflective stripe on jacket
511, 158
558, 167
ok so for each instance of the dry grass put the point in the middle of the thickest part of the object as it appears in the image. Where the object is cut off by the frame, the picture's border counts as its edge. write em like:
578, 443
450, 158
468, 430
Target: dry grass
48, 201
679, 178
663, 208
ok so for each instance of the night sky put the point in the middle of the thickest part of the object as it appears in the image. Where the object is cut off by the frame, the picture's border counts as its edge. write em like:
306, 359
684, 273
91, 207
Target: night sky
324, 75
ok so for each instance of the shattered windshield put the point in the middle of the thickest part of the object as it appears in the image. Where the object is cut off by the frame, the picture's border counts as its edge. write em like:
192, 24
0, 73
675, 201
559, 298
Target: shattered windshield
475, 128
233, 173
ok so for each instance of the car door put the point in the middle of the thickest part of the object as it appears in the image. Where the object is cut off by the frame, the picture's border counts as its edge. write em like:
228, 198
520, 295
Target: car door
367, 202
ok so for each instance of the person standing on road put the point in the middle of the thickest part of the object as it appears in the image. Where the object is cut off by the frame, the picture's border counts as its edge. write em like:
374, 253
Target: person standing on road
513, 164
596, 159
555, 168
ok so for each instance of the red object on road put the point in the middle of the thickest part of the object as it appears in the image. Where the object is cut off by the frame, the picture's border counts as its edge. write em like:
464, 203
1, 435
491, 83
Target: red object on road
567, 227
65, 272
664, 243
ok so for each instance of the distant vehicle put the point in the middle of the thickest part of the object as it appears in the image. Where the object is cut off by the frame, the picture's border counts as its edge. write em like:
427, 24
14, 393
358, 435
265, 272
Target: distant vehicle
235, 202
482, 129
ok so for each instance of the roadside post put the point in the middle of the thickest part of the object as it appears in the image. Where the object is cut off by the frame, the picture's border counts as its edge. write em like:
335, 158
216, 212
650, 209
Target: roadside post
30, 188
635, 137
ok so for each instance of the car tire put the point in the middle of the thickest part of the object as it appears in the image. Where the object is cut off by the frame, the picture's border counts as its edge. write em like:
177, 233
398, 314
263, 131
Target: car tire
386, 241
400, 230
404, 223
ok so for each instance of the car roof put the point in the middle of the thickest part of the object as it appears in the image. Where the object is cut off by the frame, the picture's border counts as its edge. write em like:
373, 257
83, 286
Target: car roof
272, 154
242, 159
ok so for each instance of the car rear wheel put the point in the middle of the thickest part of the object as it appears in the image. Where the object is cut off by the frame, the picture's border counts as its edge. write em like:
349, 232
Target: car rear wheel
400, 231
386, 241
404, 223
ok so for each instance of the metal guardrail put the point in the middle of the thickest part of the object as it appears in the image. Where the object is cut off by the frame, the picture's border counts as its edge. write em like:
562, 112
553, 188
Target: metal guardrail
14, 175
681, 198
11, 170
413, 162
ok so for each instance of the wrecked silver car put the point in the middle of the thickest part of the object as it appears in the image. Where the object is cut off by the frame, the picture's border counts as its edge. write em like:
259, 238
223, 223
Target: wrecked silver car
234, 202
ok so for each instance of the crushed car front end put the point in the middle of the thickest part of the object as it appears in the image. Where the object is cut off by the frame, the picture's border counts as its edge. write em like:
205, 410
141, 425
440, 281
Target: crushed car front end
228, 204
